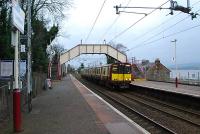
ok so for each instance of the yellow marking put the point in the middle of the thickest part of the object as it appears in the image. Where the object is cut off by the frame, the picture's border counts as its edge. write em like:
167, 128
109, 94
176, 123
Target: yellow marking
121, 77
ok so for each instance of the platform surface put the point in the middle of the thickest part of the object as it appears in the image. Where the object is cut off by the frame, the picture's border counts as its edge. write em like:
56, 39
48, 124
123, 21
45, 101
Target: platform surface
114, 121
71, 108
170, 87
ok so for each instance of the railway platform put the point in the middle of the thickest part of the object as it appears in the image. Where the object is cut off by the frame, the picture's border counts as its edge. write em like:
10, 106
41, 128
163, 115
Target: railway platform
71, 108
193, 91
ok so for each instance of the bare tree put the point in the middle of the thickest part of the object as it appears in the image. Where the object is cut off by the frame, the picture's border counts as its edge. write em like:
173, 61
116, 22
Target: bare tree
58, 48
119, 46
50, 7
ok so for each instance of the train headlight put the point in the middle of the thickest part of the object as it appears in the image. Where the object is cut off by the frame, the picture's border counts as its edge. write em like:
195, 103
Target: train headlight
128, 79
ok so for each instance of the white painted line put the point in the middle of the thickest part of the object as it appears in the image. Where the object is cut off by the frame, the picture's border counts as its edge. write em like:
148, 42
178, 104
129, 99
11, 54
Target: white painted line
114, 109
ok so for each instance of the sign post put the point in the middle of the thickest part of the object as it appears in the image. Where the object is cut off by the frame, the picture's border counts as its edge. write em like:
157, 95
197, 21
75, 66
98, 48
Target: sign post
18, 17
16, 91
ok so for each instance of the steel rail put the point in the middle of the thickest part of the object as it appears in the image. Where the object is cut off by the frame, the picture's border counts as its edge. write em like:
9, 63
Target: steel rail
168, 105
183, 119
135, 111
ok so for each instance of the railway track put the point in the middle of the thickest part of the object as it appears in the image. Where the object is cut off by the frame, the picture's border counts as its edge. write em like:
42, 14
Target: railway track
149, 124
153, 115
185, 117
189, 112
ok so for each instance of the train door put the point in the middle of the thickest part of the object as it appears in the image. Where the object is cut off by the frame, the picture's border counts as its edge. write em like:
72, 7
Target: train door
114, 72
127, 72
120, 72
123, 72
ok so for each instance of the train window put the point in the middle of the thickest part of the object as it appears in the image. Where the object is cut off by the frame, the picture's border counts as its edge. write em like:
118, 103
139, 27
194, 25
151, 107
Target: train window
121, 69
124, 69
115, 69
127, 69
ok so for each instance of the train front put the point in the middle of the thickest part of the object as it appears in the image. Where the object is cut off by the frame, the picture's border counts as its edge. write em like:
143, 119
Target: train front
121, 75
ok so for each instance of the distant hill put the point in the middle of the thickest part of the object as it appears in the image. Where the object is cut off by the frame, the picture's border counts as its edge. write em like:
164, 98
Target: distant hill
187, 66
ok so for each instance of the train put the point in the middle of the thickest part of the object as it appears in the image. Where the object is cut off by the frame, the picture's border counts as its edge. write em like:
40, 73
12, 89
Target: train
116, 75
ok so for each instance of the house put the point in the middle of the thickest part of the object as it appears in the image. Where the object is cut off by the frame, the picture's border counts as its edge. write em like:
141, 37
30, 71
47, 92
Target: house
137, 73
157, 71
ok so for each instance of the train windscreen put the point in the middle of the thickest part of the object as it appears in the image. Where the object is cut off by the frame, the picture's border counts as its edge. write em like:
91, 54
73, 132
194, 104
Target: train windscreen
124, 69
121, 69
127, 69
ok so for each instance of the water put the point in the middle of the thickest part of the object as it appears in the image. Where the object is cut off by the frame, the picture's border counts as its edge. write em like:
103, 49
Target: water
186, 74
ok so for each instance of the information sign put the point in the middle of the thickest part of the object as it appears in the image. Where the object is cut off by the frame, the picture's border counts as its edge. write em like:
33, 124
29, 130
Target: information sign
18, 16
23, 48
6, 68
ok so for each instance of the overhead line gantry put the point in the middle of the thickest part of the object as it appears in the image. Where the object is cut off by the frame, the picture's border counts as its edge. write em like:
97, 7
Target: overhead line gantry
173, 7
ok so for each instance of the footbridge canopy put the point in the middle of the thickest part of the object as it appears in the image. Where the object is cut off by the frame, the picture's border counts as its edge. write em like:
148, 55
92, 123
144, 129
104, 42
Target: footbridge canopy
92, 49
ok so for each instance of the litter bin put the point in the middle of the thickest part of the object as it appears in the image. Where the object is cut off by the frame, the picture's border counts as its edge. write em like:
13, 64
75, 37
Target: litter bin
48, 84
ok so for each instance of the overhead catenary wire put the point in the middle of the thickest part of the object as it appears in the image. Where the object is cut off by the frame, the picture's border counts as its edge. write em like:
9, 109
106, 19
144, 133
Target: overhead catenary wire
113, 23
156, 27
125, 30
171, 26
169, 35
95, 21
166, 29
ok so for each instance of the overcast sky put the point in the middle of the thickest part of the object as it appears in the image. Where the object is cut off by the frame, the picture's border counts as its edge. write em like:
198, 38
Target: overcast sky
138, 38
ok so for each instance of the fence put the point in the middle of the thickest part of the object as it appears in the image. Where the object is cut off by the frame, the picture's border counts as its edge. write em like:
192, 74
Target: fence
5, 102
6, 96
38, 83
187, 77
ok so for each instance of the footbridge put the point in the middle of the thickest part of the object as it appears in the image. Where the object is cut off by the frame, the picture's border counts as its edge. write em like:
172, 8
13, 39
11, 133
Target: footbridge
92, 49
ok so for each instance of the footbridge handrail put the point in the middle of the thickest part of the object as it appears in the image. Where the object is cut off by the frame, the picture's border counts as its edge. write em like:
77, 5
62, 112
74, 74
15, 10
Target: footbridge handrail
92, 49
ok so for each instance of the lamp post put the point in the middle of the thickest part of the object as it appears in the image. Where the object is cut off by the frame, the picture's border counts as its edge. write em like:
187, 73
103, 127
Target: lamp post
104, 41
175, 59
29, 69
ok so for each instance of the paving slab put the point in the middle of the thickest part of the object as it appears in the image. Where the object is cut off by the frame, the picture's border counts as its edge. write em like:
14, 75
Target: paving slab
72, 108
114, 121
61, 110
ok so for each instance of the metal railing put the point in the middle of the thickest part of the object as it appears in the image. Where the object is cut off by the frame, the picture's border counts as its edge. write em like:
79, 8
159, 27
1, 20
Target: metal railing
6, 98
187, 77
5, 102
6, 95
